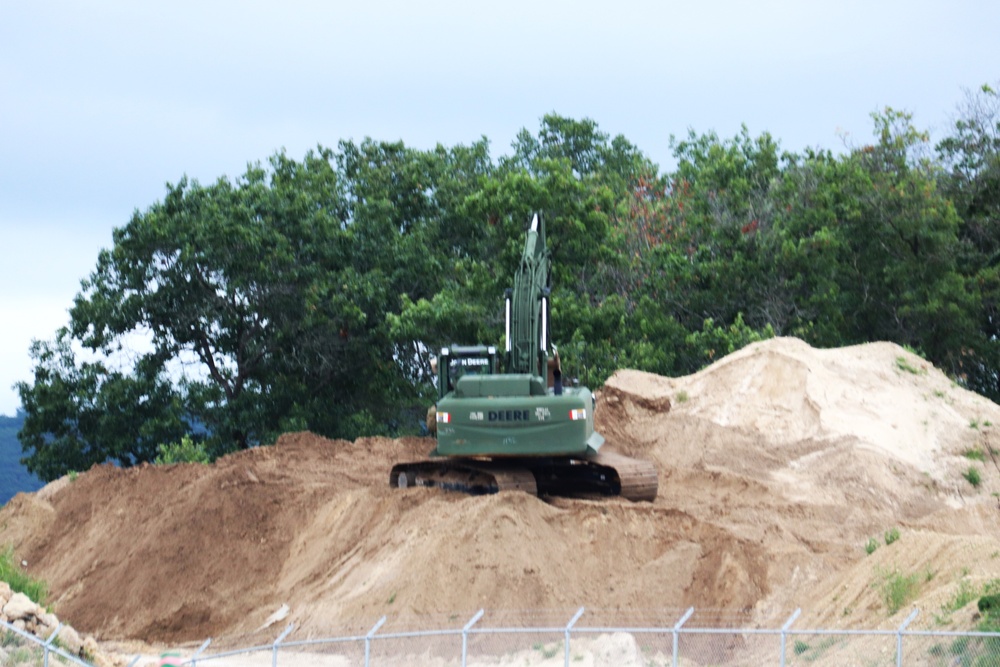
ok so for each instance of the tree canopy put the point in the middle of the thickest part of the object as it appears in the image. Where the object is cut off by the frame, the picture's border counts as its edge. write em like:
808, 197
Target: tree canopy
311, 294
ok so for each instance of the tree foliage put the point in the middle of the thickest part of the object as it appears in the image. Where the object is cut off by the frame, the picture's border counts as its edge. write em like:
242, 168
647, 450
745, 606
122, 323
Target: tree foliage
312, 294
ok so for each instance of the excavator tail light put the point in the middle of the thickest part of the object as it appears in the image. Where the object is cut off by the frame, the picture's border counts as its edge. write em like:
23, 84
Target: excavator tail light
576, 414
443, 418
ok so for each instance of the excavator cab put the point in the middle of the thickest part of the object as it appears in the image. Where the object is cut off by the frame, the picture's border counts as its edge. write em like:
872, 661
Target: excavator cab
457, 361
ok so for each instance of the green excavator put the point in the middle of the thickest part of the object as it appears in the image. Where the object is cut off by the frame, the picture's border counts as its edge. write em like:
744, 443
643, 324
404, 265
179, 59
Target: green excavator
505, 420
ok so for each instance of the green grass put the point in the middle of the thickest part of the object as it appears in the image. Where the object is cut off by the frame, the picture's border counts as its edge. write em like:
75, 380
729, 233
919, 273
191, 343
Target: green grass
811, 653
965, 594
681, 396
546, 651
974, 454
972, 476
904, 365
871, 545
891, 536
18, 580
898, 589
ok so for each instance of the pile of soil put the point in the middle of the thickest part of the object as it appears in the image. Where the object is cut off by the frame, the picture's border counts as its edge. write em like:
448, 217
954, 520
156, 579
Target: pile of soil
778, 464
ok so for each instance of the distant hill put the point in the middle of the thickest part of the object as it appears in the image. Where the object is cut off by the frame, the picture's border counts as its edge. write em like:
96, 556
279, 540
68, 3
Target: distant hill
14, 477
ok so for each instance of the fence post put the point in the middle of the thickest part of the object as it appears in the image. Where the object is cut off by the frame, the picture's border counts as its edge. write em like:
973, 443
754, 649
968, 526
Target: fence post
572, 622
899, 637
201, 649
368, 640
465, 634
274, 646
784, 631
677, 628
48, 644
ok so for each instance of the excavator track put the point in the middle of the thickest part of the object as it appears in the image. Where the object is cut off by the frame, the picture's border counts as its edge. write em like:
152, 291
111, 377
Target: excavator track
601, 474
472, 476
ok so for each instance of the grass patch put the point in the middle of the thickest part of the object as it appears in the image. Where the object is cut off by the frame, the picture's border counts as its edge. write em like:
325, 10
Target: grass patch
988, 595
974, 424
891, 536
898, 589
681, 396
974, 454
904, 365
19, 581
871, 545
972, 476
546, 651
811, 653
965, 594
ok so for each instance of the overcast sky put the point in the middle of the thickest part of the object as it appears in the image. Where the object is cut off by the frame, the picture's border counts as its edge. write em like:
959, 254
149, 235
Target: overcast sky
103, 102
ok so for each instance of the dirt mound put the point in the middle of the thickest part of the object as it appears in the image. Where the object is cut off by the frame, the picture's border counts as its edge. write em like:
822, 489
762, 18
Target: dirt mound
777, 464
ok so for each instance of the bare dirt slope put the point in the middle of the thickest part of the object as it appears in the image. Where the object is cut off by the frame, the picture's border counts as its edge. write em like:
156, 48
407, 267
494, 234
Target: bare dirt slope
777, 464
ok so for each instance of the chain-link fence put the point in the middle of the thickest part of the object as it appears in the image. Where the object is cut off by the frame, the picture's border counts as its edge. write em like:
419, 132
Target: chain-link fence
21, 648
687, 638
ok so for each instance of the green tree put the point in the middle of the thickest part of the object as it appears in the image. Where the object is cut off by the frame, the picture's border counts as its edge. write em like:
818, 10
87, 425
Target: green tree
78, 414
900, 270
971, 159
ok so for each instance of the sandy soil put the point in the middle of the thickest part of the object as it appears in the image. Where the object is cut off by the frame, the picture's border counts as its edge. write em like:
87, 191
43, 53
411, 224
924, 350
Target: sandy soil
777, 464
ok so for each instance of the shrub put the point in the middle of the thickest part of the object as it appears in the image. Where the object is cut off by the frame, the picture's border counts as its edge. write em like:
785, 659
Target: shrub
898, 589
972, 476
871, 546
185, 451
18, 580
891, 536
989, 603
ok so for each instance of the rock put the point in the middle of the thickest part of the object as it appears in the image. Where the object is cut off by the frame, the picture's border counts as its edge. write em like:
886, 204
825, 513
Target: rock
101, 660
46, 624
617, 649
5, 593
279, 615
19, 624
20, 606
70, 639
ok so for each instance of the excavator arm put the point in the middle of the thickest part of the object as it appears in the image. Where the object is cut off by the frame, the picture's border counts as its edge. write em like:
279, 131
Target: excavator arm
526, 306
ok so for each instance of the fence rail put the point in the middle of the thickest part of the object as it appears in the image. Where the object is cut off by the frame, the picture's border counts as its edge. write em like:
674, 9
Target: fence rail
573, 642
19, 647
